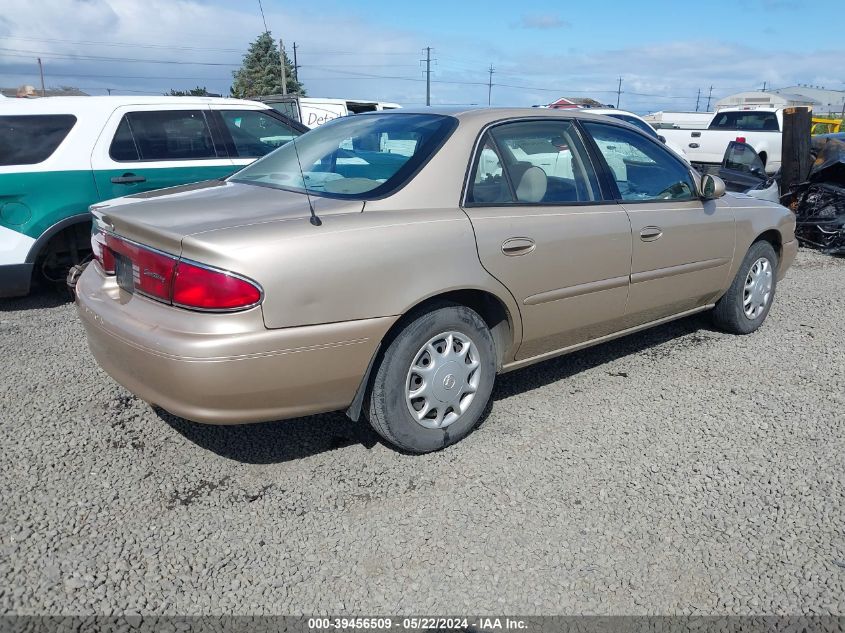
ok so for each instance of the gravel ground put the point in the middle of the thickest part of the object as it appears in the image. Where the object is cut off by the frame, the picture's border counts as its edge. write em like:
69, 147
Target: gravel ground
679, 470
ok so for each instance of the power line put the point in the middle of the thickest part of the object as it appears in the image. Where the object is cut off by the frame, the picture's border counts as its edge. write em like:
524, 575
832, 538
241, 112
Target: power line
125, 44
96, 76
263, 19
23, 53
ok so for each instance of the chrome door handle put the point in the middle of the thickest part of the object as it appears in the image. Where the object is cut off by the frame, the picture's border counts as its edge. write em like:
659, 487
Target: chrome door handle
651, 233
518, 246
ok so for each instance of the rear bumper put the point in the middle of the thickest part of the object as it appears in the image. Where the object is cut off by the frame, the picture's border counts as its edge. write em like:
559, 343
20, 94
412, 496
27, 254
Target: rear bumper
15, 280
223, 368
788, 252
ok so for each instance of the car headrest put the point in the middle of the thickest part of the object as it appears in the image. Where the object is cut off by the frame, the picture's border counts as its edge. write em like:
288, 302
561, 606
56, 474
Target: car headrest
532, 186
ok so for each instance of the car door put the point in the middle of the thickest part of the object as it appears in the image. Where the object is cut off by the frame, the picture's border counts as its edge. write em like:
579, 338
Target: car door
545, 231
741, 167
250, 133
682, 246
145, 147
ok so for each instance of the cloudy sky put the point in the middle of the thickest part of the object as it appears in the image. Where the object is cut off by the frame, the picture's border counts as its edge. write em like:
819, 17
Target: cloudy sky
664, 51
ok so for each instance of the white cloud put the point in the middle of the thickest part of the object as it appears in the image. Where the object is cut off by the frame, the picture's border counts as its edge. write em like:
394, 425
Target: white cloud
338, 49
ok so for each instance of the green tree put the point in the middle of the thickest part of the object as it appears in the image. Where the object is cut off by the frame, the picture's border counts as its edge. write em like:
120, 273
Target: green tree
193, 92
261, 73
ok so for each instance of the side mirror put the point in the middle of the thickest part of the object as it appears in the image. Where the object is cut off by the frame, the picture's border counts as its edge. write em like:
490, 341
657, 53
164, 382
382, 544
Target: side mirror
712, 187
661, 138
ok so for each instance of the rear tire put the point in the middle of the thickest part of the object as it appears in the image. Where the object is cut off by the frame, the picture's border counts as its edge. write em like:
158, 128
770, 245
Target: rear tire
744, 307
433, 384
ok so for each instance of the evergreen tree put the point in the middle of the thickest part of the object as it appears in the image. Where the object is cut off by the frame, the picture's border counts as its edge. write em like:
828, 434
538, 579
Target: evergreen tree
261, 72
199, 91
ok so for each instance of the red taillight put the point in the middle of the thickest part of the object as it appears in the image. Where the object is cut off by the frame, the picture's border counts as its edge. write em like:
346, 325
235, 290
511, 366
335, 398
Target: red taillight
169, 279
152, 271
205, 289
102, 253
740, 139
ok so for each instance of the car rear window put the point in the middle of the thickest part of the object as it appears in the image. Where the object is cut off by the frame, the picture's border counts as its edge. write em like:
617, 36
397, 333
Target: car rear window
32, 138
359, 157
745, 120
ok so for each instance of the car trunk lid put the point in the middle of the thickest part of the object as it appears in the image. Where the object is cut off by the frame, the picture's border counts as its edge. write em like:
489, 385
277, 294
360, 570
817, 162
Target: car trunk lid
161, 219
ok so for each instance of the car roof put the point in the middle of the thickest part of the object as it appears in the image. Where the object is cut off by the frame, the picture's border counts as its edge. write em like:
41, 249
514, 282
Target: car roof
483, 115
86, 105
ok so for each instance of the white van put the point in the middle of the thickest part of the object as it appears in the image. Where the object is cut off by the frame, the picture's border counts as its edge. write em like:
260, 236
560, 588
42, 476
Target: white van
314, 111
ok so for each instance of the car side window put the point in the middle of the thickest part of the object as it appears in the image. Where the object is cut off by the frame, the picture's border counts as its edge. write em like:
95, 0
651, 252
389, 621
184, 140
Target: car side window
544, 162
123, 146
742, 157
256, 133
642, 169
164, 135
488, 184
32, 139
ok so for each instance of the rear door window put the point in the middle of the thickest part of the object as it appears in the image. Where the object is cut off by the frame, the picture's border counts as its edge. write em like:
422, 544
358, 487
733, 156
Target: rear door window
123, 146
256, 133
32, 139
544, 162
163, 135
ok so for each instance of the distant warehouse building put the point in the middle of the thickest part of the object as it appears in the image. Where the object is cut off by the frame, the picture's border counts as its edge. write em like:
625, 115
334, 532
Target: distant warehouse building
828, 101
762, 99
821, 100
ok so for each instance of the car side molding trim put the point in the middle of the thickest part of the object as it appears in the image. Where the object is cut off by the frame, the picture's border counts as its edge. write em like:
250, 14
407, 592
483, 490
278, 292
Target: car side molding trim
660, 273
576, 290
518, 364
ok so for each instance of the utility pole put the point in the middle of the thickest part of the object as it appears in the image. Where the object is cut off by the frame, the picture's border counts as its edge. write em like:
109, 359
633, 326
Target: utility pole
697, 99
764, 86
428, 75
709, 95
109, 91
284, 73
41, 72
490, 84
295, 65
618, 92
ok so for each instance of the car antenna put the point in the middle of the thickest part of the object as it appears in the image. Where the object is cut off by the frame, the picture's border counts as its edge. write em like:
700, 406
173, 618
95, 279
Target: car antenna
315, 220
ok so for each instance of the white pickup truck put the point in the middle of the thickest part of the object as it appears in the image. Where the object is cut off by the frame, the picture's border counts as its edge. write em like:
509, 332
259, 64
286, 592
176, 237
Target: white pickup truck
761, 128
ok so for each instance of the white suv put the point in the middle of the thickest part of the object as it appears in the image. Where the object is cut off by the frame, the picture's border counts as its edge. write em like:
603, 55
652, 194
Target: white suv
59, 155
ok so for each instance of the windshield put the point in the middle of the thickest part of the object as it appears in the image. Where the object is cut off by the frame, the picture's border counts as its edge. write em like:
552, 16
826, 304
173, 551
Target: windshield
355, 157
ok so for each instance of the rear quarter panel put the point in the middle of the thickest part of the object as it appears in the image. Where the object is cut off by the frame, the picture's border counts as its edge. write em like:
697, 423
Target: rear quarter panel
353, 266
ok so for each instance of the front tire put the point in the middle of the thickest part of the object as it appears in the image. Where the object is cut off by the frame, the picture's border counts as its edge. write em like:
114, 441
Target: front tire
434, 381
744, 307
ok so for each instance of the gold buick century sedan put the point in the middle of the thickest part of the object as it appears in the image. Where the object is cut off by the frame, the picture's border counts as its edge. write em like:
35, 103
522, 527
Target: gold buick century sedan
394, 263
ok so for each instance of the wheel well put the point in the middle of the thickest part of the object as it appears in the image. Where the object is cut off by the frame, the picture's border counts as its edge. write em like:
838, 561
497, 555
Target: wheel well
62, 246
773, 237
488, 306
77, 225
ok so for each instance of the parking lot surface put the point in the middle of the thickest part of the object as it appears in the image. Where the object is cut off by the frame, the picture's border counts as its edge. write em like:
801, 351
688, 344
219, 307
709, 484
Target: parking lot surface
680, 470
